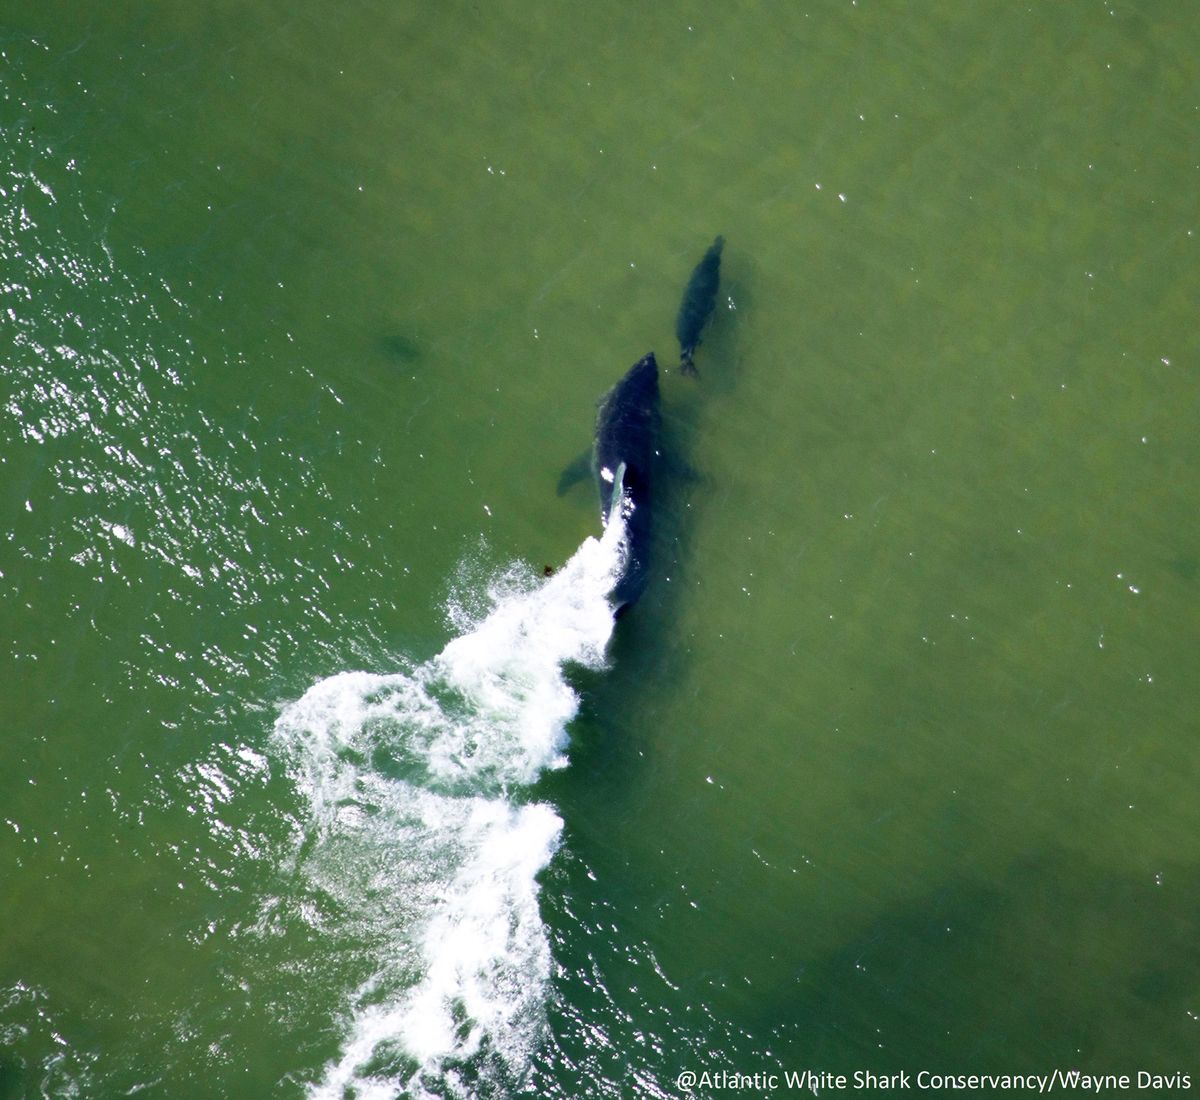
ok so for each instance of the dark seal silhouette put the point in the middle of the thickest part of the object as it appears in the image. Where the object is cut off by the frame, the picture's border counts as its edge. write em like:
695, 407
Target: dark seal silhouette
696, 308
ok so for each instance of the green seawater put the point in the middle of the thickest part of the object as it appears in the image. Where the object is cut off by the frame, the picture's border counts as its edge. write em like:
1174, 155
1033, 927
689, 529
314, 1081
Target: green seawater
303, 309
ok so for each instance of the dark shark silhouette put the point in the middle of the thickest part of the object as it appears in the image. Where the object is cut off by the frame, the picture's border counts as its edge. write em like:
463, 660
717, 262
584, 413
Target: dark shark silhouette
627, 426
699, 298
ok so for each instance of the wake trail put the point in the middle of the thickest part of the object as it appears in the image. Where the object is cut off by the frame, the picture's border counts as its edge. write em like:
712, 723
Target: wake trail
415, 825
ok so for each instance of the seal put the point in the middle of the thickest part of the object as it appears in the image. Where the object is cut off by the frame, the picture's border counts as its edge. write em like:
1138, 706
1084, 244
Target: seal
699, 299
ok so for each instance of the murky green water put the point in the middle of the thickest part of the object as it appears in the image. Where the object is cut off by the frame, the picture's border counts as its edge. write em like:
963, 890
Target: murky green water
303, 310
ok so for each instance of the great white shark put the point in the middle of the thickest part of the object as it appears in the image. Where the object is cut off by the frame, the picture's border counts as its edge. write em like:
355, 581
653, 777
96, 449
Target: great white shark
625, 450
623, 458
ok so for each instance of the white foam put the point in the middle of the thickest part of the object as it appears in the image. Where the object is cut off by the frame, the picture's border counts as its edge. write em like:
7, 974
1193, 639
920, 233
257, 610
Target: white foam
412, 782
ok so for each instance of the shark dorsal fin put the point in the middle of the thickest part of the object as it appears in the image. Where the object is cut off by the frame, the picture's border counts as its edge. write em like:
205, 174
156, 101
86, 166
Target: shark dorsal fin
618, 492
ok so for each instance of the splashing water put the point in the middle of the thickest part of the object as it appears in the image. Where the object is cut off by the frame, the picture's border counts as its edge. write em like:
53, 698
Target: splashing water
410, 781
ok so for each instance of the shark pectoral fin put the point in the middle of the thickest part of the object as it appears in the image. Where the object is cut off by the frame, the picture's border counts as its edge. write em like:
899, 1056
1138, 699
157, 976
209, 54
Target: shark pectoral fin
678, 469
579, 469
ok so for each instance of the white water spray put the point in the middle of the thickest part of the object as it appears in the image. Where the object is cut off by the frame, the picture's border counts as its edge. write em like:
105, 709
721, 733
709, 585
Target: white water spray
414, 830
